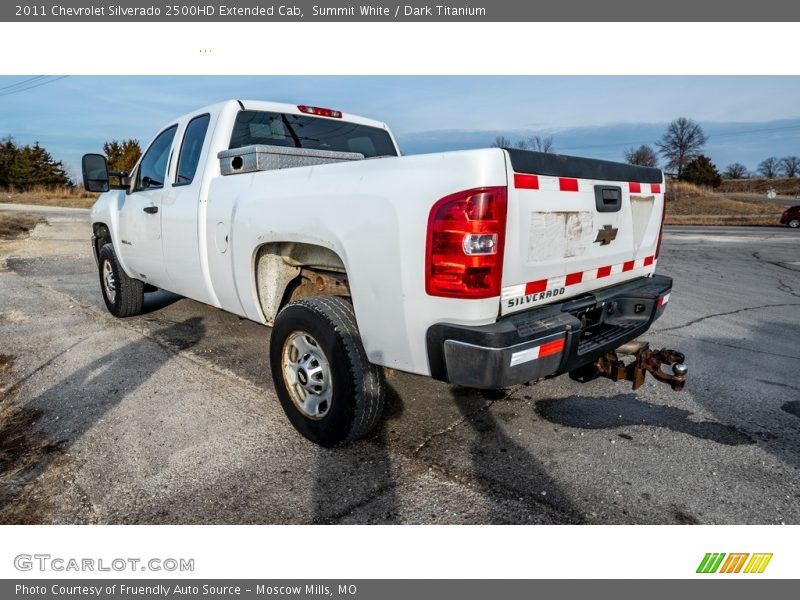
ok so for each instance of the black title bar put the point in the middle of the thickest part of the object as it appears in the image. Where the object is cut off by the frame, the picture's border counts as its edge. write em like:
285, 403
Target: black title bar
387, 589
408, 11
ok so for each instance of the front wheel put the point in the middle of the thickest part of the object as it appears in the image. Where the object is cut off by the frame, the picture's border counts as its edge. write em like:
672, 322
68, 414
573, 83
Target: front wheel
123, 295
328, 389
794, 223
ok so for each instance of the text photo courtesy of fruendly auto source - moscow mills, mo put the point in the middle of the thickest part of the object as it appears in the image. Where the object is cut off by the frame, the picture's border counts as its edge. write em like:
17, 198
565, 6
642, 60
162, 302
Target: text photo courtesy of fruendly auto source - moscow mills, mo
319, 305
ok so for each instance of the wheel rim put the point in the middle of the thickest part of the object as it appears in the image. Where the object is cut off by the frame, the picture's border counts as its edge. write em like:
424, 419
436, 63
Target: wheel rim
109, 282
307, 374
794, 223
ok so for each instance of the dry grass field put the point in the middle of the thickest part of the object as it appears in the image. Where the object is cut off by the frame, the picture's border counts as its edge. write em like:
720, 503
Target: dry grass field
783, 186
15, 225
688, 204
75, 197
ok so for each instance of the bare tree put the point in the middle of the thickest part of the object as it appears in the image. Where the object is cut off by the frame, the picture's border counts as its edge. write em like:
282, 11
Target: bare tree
769, 167
790, 166
681, 143
541, 144
735, 171
535, 143
644, 156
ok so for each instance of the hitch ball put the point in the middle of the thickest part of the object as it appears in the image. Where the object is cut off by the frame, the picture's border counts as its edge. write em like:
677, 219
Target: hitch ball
680, 368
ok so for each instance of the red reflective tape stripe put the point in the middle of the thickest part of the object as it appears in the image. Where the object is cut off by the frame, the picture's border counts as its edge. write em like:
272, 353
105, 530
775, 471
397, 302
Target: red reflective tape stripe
567, 184
635, 187
549, 348
655, 188
526, 182
536, 286
604, 271
574, 278
533, 287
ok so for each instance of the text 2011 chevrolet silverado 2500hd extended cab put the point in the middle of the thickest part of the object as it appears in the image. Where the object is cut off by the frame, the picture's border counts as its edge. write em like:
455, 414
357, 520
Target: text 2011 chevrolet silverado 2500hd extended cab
482, 268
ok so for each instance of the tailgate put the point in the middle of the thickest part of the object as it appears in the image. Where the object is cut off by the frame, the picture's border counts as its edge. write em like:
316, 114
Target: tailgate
576, 225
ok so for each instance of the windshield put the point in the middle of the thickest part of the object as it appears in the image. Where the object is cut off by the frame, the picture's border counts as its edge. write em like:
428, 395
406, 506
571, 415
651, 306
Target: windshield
316, 133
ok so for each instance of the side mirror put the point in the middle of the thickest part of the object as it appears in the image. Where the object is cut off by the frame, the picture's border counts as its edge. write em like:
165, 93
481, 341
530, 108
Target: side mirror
95, 173
119, 180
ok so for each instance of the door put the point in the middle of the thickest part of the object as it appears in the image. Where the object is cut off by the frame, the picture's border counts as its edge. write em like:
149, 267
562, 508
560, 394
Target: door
140, 216
180, 210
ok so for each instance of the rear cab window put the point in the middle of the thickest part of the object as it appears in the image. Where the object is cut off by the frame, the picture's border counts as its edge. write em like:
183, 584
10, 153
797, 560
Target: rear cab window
191, 148
254, 127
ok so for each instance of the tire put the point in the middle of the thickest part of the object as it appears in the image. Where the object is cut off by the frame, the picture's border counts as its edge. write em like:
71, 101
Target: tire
794, 223
328, 389
123, 295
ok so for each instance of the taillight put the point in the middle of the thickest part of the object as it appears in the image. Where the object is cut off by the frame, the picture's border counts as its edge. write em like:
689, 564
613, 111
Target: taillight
661, 229
466, 238
320, 112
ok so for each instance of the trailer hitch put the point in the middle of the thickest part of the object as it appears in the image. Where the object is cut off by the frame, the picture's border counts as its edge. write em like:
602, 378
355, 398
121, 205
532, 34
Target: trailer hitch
644, 361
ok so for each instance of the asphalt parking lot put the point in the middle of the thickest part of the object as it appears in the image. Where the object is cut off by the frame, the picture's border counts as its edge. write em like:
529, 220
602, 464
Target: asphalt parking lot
171, 417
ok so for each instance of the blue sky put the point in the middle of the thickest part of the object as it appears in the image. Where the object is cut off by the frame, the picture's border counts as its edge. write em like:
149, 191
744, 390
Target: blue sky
746, 118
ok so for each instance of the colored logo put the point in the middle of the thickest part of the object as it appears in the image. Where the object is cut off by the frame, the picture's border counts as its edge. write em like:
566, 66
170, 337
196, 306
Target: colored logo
719, 562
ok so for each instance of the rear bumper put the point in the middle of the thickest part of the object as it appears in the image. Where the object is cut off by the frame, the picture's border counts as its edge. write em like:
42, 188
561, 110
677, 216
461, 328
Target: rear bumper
546, 341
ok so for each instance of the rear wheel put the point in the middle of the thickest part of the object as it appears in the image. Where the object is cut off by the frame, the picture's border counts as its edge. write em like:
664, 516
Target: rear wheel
328, 389
123, 295
794, 223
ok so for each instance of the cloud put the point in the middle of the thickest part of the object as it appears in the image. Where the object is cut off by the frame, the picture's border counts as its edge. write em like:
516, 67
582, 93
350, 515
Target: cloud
591, 115
745, 142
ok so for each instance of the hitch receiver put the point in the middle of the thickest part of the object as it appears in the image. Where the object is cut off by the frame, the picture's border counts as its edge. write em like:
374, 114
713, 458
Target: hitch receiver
644, 361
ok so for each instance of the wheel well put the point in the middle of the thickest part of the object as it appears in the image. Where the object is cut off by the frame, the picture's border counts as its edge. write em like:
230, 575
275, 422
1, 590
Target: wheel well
286, 271
102, 236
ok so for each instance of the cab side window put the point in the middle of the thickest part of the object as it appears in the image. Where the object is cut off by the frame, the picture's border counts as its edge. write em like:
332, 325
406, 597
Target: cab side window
191, 148
153, 168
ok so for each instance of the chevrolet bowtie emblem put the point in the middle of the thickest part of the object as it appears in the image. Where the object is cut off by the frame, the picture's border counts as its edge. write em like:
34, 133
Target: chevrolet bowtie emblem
606, 235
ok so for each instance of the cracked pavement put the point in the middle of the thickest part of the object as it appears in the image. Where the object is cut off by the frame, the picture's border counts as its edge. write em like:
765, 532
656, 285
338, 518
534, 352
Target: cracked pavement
170, 417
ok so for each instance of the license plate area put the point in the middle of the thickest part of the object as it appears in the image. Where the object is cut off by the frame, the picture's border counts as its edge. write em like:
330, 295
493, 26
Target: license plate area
606, 321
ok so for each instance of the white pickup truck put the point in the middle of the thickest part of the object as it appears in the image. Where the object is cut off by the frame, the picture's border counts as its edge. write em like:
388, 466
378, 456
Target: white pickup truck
482, 268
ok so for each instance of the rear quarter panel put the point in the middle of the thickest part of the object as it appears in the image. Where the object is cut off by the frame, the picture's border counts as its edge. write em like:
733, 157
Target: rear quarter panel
374, 215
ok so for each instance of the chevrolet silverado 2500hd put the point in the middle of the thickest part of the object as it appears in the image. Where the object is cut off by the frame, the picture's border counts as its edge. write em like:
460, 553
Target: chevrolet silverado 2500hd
482, 268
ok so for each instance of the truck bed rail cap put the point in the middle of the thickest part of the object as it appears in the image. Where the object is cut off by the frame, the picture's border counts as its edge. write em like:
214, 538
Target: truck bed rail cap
561, 165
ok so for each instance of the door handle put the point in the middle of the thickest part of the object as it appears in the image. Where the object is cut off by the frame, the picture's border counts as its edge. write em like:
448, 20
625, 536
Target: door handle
150, 210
